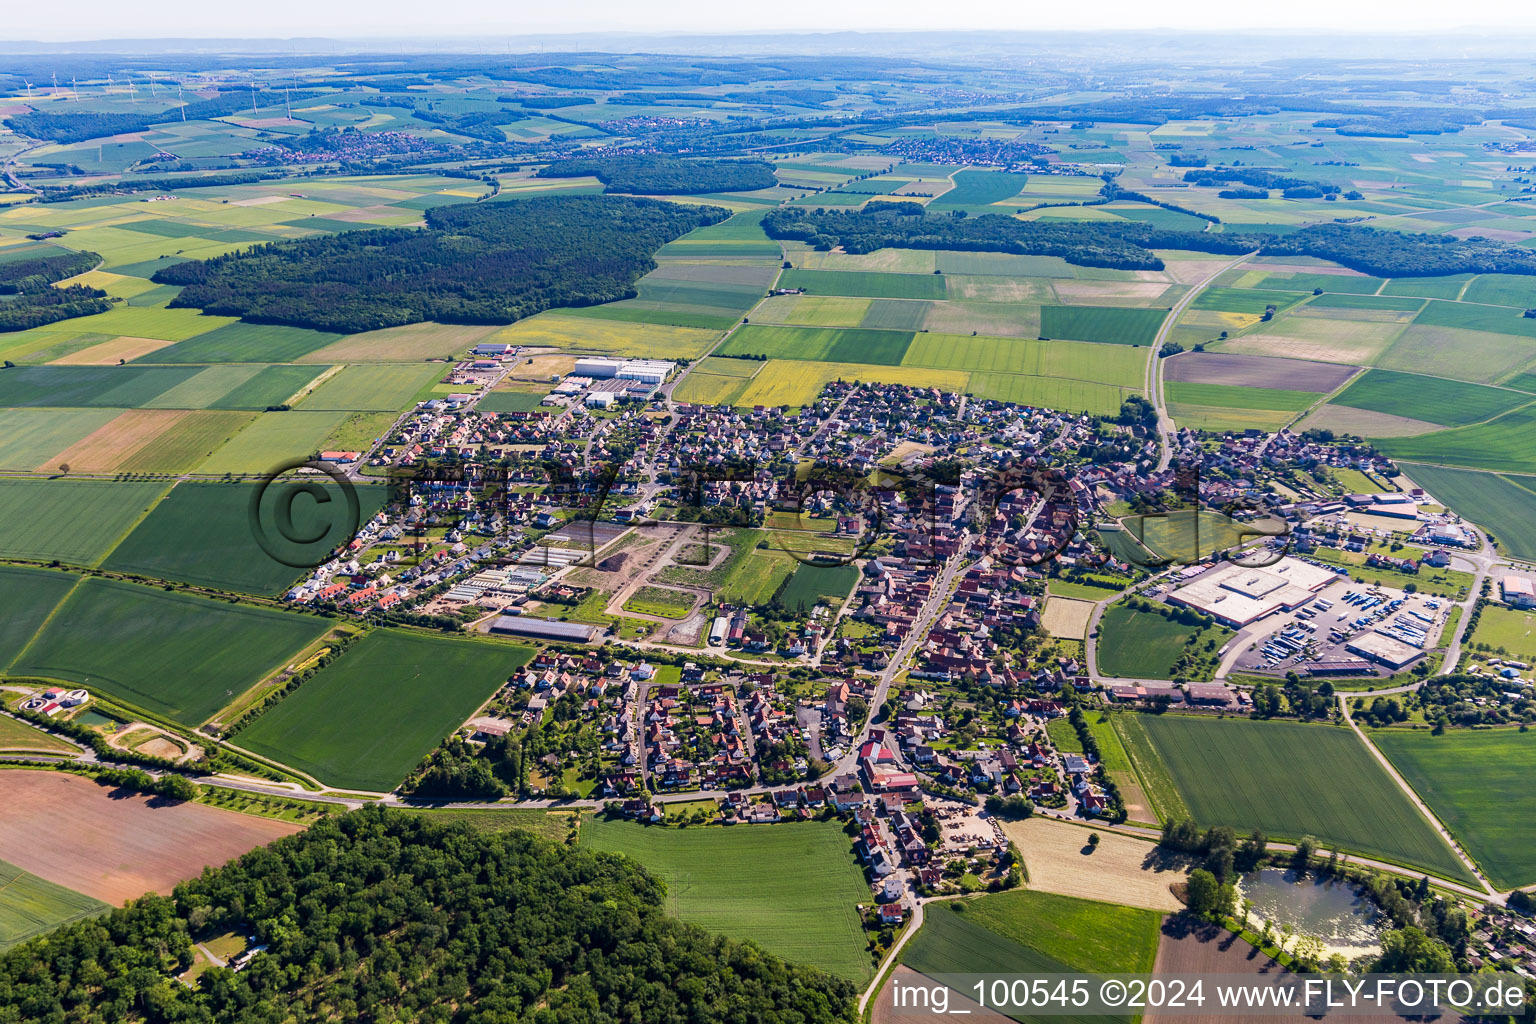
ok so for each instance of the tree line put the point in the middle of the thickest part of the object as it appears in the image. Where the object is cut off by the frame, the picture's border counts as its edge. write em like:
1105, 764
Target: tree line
649, 174
486, 263
1129, 245
380, 915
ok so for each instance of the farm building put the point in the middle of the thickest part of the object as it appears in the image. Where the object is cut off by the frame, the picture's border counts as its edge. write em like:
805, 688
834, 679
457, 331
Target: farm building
1237, 595
543, 629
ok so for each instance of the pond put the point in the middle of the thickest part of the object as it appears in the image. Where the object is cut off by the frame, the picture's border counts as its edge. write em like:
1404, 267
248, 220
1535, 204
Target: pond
1338, 913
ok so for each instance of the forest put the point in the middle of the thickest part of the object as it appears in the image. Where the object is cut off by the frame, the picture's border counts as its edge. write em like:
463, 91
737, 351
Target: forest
665, 175
1128, 245
379, 915
474, 263
36, 303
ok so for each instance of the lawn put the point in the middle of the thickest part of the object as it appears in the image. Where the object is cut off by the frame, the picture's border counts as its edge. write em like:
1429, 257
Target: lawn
1289, 780
882, 348
1117, 325
30, 905
511, 401
1449, 403
201, 533
76, 521
1479, 783
869, 285
794, 889
1508, 630
173, 654
364, 721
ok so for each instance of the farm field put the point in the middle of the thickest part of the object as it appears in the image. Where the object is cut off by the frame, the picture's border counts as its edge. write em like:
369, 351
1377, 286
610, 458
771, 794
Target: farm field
27, 596
32, 437
1139, 645
150, 647
1122, 869
814, 584
1478, 783
1186, 537
74, 521
1113, 325
1506, 444
364, 721
882, 348
273, 439
384, 387
806, 911
1291, 779
609, 338
865, 284
115, 846
242, 342
200, 533
1505, 505
408, 344
1446, 402
16, 735
30, 905
156, 441
793, 382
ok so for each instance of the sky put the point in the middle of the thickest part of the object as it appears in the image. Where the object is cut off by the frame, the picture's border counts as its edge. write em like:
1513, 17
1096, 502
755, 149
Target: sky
498, 20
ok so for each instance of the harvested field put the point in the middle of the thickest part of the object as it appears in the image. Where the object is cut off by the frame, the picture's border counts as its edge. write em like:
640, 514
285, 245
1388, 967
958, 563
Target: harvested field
1356, 342
1086, 293
1122, 870
1255, 371
110, 353
102, 450
1066, 617
1342, 419
116, 846
1191, 947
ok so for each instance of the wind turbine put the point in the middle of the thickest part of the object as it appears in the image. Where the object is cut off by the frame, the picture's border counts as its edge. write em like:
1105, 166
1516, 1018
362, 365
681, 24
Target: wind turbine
288, 103
180, 105
253, 96
29, 90
76, 85
152, 85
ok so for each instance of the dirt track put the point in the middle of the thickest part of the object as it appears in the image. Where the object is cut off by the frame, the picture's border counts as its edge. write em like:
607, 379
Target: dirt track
114, 845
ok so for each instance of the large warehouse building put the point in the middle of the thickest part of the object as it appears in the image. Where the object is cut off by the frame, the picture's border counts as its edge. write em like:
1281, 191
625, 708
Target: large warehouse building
1236, 595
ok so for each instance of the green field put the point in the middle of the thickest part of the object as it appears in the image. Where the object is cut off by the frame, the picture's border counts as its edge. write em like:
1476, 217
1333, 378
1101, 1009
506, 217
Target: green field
1151, 773
1186, 536
1057, 360
30, 905
1140, 645
1502, 290
551, 825
364, 721
1116, 325
202, 534
172, 654
511, 401
1472, 317
828, 344
242, 342
793, 889
1479, 783
1503, 445
124, 387
26, 598
1450, 403
274, 438
1024, 932
1290, 780
373, 387
812, 584
1510, 630
1430, 287
29, 438
981, 188
869, 285
76, 521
